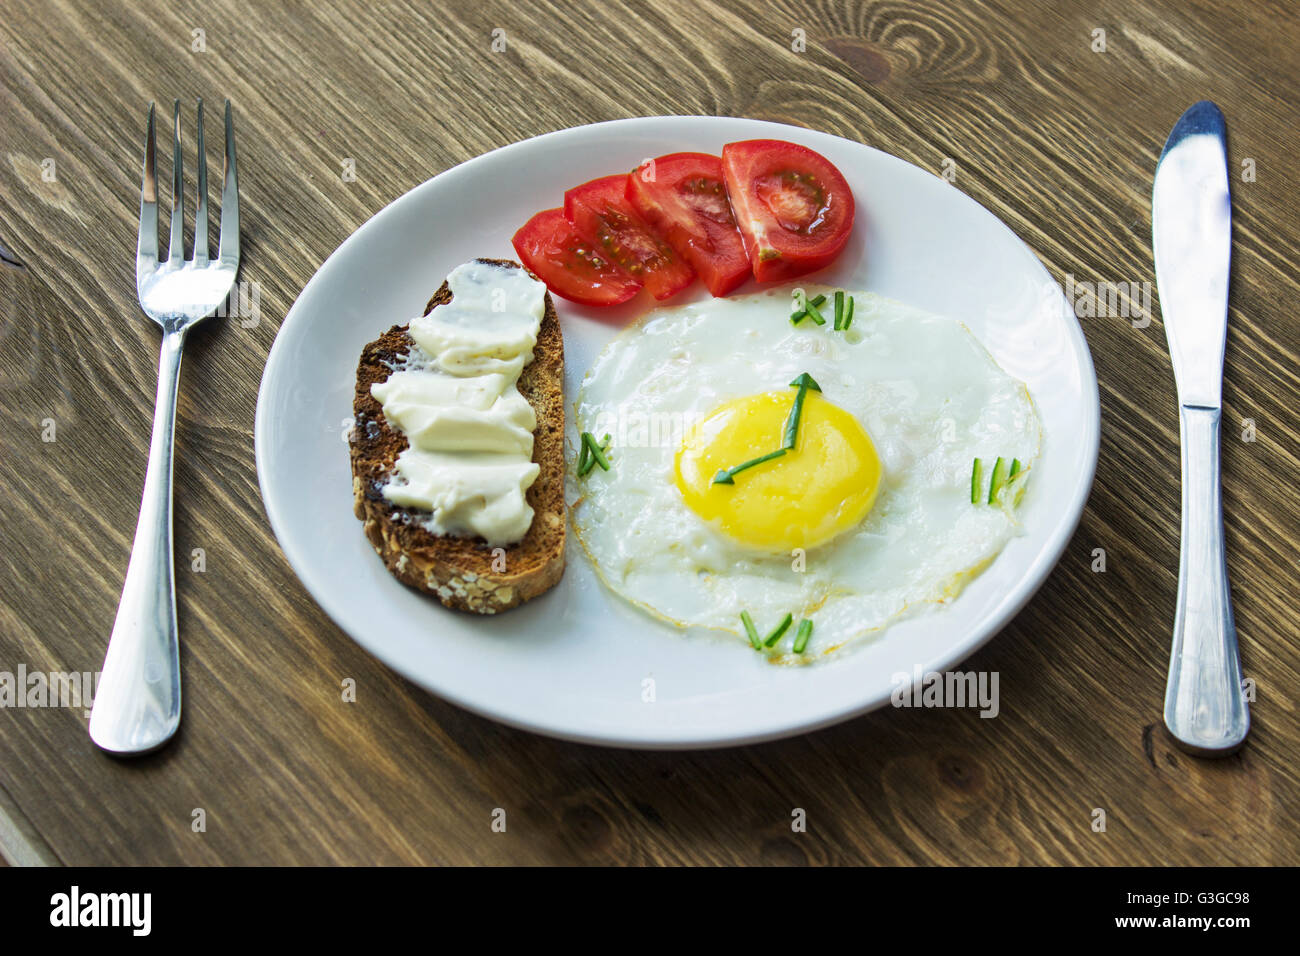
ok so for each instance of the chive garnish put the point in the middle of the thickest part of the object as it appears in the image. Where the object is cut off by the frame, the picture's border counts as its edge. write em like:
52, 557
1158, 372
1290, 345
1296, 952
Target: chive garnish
779, 630
998, 479
805, 308
802, 635
727, 475
584, 457
1002, 478
751, 630
803, 383
1019, 485
597, 454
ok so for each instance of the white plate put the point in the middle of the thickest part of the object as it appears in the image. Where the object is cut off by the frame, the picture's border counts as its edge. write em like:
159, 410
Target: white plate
576, 662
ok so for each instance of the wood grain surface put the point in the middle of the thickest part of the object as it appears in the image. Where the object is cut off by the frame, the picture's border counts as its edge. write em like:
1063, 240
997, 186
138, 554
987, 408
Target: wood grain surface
1057, 138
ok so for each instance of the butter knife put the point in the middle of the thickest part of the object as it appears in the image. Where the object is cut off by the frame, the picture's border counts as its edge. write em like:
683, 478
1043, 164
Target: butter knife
1191, 227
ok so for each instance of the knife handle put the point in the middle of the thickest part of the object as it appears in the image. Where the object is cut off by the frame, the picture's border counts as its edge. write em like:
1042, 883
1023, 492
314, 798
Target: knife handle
1205, 708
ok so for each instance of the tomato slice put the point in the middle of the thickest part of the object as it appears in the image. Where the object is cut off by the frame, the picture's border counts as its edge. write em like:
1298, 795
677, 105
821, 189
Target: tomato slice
601, 214
683, 198
793, 207
562, 259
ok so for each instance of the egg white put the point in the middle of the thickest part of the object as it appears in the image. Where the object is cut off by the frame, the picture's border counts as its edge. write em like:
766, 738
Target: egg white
926, 391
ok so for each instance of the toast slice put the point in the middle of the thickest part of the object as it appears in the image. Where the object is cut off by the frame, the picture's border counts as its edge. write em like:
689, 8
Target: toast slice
461, 572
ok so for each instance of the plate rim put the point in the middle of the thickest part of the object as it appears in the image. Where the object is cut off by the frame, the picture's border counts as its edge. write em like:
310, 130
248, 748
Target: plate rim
1012, 602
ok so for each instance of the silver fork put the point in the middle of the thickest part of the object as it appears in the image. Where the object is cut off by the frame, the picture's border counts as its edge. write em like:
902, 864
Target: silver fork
137, 705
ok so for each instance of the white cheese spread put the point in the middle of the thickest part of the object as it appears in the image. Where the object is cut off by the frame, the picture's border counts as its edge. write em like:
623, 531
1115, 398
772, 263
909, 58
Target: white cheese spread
456, 400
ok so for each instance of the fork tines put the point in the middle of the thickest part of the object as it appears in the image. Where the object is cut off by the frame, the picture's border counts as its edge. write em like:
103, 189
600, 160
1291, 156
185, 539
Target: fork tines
228, 245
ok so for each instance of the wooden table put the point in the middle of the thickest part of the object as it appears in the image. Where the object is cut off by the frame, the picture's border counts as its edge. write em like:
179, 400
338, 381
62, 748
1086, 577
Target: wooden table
1056, 136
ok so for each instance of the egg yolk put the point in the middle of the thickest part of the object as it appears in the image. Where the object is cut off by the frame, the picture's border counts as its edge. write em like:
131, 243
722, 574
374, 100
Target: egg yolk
822, 487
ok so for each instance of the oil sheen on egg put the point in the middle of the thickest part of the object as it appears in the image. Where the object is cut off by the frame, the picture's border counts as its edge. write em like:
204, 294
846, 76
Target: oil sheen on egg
868, 516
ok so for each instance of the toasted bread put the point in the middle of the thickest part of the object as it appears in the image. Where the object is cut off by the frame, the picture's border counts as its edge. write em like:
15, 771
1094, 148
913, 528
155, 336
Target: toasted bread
461, 572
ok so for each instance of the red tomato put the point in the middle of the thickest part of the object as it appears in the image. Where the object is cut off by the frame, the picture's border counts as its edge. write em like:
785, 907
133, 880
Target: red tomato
683, 198
562, 259
793, 207
601, 214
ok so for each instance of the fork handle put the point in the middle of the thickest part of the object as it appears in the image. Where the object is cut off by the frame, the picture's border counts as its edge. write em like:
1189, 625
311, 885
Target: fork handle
1205, 707
137, 705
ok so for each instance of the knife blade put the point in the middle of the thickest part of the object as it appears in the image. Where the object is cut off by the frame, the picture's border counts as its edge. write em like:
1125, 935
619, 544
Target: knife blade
1191, 229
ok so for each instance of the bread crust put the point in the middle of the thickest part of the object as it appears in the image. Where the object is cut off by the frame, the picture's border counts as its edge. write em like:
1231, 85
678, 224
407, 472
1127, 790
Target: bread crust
464, 573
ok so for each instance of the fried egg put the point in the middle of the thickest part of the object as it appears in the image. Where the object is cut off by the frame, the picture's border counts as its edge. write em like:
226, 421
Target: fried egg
862, 514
